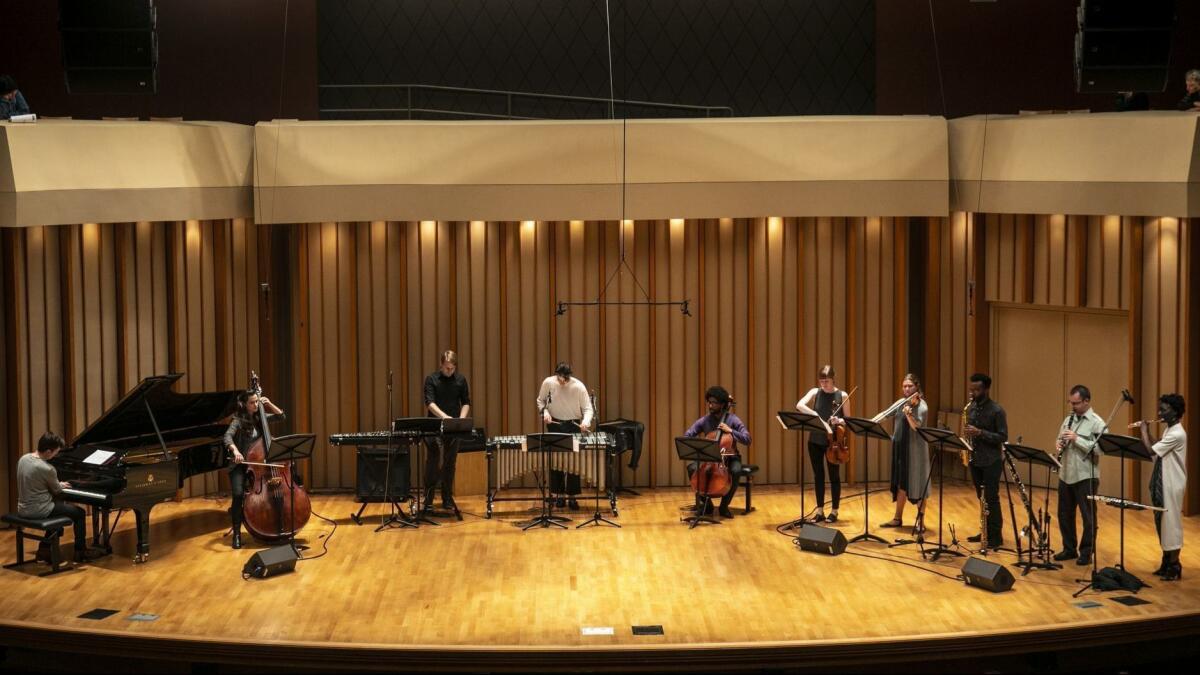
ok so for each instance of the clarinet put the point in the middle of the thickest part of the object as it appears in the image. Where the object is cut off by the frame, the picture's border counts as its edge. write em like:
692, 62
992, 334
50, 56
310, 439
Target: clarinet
1033, 520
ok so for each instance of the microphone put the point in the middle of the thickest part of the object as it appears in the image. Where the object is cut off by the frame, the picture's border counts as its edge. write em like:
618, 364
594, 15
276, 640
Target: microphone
1126, 395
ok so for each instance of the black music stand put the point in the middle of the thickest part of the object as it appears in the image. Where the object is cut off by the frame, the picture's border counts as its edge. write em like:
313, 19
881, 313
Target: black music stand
601, 460
942, 439
458, 427
415, 431
1031, 456
868, 429
1123, 448
793, 420
697, 449
291, 448
546, 444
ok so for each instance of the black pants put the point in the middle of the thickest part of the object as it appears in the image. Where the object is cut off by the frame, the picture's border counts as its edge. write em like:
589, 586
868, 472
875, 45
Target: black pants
1071, 497
816, 454
441, 459
78, 521
561, 482
987, 483
237, 490
734, 462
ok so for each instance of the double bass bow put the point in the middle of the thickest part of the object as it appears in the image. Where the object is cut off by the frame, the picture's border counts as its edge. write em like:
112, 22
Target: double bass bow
275, 507
713, 479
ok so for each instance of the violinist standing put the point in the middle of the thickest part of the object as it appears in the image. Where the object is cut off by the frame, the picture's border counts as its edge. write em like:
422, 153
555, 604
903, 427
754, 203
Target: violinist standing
910, 452
718, 401
244, 429
821, 401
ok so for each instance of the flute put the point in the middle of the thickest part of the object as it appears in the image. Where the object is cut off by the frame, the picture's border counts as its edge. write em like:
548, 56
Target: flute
1141, 422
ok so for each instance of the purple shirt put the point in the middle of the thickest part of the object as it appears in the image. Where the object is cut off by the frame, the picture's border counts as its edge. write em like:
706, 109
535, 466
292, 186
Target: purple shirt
710, 422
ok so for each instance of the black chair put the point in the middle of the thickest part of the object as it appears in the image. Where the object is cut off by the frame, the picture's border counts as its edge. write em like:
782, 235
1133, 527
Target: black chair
747, 475
52, 529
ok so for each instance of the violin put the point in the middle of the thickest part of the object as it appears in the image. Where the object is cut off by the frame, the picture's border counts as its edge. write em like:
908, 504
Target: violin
276, 506
713, 479
838, 451
909, 406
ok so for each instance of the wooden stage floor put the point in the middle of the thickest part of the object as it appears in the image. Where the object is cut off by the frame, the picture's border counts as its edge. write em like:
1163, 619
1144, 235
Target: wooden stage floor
482, 594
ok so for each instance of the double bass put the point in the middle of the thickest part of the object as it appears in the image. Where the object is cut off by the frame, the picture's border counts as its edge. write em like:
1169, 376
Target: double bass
713, 479
276, 506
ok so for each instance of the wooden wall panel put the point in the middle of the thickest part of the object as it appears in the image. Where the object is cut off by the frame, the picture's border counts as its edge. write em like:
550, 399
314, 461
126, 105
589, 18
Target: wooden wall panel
102, 305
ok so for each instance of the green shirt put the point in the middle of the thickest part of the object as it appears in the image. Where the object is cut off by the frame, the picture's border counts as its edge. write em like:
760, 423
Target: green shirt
1081, 459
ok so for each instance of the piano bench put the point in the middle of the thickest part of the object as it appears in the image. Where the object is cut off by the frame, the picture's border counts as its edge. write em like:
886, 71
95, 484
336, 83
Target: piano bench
747, 475
52, 528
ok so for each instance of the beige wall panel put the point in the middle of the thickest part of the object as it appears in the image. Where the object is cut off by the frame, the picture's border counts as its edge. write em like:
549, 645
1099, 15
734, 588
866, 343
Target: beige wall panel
1097, 356
1034, 412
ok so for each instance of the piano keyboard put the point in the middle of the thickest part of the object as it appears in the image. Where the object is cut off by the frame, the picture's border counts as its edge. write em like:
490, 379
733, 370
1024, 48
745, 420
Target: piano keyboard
75, 495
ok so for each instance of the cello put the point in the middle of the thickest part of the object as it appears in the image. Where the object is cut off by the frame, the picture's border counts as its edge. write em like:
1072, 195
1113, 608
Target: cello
275, 506
838, 451
713, 479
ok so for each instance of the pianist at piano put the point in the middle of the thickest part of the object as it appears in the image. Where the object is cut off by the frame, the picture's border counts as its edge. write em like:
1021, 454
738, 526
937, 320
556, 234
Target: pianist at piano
242, 432
40, 494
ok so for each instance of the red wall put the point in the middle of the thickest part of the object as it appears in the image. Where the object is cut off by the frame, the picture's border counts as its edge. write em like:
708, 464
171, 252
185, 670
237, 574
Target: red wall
218, 60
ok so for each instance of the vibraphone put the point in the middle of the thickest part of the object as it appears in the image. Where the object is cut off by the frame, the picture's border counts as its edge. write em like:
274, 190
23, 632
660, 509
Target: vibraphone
590, 459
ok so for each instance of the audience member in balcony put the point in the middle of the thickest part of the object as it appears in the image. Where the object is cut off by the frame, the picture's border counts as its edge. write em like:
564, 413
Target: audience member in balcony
11, 100
1191, 102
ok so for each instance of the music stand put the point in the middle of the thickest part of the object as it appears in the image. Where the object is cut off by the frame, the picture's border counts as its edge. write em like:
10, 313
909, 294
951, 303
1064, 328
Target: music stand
793, 420
1031, 456
942, 439
546, 444
868, 429
291, 448
602, 459
456, 428
1123, 448
697, 449
414, 431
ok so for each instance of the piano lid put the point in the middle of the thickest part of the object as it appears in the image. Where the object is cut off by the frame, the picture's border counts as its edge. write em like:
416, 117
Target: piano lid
173, 411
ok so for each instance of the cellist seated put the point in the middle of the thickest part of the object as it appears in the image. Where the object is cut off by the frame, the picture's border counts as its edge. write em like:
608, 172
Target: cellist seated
721, 420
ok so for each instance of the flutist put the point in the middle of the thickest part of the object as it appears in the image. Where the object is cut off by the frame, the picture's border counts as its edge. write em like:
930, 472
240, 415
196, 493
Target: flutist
1168, 482
1079, 476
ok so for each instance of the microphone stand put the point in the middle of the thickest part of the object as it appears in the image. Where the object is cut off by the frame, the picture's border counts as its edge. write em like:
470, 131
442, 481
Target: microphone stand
395, 516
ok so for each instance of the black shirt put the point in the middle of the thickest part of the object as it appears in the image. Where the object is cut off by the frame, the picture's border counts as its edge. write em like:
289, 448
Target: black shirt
989, 418
449, 393
823, 404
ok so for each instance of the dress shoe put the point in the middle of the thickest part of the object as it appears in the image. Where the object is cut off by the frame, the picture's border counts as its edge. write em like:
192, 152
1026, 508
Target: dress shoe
1084, 560
1065, 555
1174, 572
88, 554
975, 538
995, 544
237, 538
1162, 566
832, 516
725, 512
894, 522
560, 502
573, 504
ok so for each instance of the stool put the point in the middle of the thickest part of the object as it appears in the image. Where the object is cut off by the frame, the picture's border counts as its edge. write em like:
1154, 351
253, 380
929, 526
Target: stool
747, 476
51, 527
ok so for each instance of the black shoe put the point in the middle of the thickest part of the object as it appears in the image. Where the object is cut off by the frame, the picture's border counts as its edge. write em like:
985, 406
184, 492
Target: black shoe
560, 502
995, 545
725, 512
894, 522
448, 505
88, 554
1174, 572
820, 517
975, 538
237, 538
832, 516
573, 504
1162, 567
1084, 560
708, 510
1065, 555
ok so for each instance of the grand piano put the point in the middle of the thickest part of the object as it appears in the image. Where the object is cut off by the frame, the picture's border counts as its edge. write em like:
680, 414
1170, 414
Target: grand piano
139, 452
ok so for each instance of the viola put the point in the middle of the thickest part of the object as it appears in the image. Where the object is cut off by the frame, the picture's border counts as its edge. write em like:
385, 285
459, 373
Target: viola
838, 450
276, 506
713, 479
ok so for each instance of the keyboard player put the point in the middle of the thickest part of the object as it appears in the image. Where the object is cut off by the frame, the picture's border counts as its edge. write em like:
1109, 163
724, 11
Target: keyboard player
39, 495
244, 429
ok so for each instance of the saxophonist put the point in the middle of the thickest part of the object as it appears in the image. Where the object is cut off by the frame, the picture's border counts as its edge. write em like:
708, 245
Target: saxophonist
1079, 475
987, 429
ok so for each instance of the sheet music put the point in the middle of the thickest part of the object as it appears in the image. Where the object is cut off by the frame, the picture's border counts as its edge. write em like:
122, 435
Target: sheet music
99, 457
